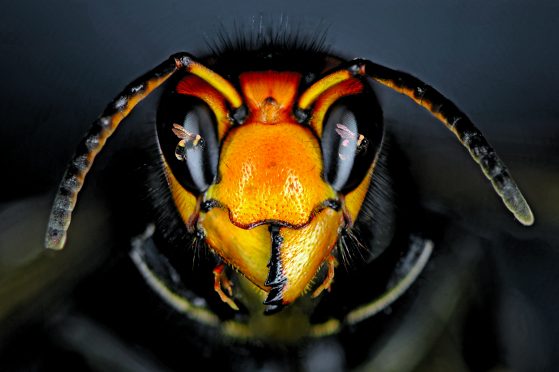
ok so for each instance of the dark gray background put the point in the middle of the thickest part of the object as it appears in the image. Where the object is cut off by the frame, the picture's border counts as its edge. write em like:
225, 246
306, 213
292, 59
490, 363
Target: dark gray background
498, 60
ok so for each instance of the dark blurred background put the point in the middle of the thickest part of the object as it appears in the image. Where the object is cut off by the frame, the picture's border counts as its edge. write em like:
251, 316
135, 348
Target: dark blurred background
62, 61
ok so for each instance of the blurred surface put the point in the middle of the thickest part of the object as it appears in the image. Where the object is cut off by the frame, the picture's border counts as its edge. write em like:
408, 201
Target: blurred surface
62, 61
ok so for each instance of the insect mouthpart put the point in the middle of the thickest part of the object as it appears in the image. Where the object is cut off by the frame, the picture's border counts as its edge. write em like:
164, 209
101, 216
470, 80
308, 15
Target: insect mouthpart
280, 260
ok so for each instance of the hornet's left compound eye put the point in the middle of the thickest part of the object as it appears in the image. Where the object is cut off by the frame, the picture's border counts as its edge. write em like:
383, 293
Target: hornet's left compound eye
351, 137
186, 128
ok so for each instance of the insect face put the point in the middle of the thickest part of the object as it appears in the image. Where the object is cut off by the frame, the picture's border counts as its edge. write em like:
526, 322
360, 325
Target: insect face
274, 204
270, 161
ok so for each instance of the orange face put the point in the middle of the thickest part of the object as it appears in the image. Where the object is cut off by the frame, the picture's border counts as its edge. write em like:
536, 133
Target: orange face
270, 214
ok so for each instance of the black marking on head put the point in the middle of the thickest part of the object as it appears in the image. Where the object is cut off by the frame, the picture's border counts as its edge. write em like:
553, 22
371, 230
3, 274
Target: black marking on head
240, 114
207, 205
301, 115
271, 101
276, 280
270, 45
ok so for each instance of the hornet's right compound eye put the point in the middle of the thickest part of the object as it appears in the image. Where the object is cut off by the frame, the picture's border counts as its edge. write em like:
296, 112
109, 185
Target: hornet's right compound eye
187, 135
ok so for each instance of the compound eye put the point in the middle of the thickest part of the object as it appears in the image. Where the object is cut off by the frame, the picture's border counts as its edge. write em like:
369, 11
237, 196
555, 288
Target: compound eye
187, 134
351, 137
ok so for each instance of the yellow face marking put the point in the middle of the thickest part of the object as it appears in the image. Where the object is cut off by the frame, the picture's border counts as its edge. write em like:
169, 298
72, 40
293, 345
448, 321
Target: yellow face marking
271, 172
315, 90
220, 84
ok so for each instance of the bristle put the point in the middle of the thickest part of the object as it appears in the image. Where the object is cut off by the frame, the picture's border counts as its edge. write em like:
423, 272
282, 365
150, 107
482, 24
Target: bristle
375, 224
275, 33
351, 248
167, 218
191, 248
268, 44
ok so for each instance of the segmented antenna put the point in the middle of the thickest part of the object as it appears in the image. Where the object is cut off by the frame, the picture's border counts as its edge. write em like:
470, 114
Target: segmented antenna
444, 110
106, 124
